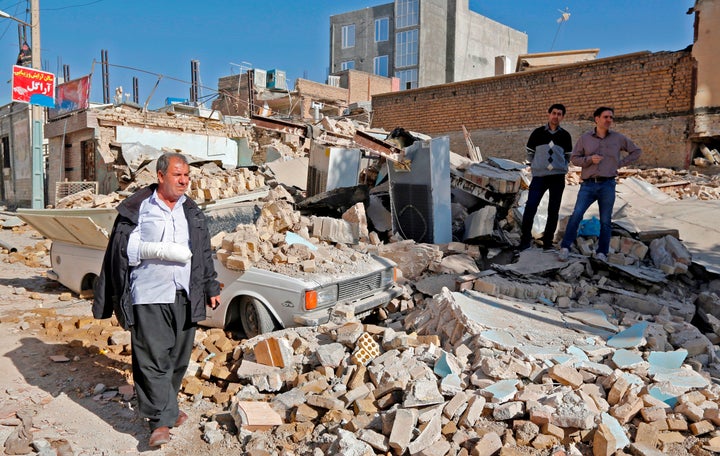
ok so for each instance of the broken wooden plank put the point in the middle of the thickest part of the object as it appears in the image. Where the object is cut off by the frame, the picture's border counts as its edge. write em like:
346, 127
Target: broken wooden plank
473, 150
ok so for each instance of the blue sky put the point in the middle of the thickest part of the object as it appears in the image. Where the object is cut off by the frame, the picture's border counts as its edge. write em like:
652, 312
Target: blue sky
163, 36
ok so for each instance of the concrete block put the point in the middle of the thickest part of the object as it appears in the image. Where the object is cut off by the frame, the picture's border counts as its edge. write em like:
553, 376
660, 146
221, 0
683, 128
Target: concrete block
428, 435
509, 411
677, 424
375, 440
647, 434
566, 375
626, 410
604, 443
473, 412
655, 413
693, 412
488, 445
701, 427
325, 402
402, 429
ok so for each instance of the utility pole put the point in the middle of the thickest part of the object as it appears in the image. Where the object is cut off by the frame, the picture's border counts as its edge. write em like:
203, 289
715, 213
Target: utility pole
37, 114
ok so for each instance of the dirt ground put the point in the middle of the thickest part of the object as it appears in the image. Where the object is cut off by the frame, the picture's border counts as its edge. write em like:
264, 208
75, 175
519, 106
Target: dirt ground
63, 399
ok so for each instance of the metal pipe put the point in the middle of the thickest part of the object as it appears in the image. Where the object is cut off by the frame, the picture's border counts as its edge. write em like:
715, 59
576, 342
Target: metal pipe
7, 246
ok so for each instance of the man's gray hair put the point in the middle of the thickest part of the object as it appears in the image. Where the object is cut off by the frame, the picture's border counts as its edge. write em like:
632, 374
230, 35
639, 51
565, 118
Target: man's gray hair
164, 161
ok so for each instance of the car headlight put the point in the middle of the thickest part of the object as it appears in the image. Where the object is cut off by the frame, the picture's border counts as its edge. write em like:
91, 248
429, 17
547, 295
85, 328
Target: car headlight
320, 297
387, 277
327, 295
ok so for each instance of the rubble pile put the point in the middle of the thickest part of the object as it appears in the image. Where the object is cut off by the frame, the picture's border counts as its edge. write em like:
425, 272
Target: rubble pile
211, 183
447, 384
666, 253
88, 199
207, 183
709, 157
269, 146
683, 184
283, 241
32, 256
434, 380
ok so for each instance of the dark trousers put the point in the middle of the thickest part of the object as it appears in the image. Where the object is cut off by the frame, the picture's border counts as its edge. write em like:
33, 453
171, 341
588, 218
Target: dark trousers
162, 340
555, 184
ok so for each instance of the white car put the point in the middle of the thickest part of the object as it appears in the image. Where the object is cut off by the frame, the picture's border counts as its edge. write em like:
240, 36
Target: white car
254, 301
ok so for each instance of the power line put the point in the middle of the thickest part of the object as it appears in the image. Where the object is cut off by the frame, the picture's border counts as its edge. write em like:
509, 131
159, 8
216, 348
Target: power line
72, 6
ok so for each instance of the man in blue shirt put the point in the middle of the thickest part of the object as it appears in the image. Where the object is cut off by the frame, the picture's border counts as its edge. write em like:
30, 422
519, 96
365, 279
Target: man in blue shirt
548, 151
157, 277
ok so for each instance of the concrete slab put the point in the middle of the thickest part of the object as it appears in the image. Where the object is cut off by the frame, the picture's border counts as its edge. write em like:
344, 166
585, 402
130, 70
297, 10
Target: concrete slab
502, 391
292, 172
537, 261
681, 378
538, 325
626, 359
666, 360
632, 337
433, 284
617, 430
593, 317
500, 338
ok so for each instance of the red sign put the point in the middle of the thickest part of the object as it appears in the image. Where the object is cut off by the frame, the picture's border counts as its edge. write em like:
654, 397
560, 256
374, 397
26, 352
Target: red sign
71, 96
33, 86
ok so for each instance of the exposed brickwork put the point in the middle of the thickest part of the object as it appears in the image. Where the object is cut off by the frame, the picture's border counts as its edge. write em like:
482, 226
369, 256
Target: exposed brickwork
651, 94
363, 86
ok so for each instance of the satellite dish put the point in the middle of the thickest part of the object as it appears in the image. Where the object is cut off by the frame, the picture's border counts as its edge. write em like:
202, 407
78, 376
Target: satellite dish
564, 15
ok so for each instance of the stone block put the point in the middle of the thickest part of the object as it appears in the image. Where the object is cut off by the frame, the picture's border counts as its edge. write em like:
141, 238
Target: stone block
255, 416
566, 375
604, 443
488, 445
701, 427
402, 429
693, 412
677, 424
647, 434
655, 413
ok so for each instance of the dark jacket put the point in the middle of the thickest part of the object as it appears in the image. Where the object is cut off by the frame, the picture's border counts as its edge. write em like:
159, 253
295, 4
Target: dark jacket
112, 289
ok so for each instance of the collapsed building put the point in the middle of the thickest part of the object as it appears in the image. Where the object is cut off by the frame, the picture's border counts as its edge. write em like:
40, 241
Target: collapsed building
481, 353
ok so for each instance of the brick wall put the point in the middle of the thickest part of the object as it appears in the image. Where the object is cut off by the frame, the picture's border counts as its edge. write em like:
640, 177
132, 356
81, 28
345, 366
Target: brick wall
651, 94
363, 85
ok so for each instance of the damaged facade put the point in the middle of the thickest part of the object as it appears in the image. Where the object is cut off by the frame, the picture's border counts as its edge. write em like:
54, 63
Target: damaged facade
306, 101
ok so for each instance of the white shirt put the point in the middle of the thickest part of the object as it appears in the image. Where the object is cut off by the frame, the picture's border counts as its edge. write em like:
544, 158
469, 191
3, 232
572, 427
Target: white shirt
157, 281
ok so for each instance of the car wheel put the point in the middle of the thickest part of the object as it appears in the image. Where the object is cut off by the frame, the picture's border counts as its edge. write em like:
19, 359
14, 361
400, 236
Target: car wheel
255, 318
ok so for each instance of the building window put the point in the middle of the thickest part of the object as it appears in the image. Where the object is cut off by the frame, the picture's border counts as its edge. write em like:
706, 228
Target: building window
406, 48
380, 65
406, 13
347, 65
408, 79
382, 29
348, 36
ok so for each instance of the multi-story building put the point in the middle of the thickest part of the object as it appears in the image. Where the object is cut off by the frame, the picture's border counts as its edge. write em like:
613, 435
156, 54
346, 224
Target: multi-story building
423, 42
